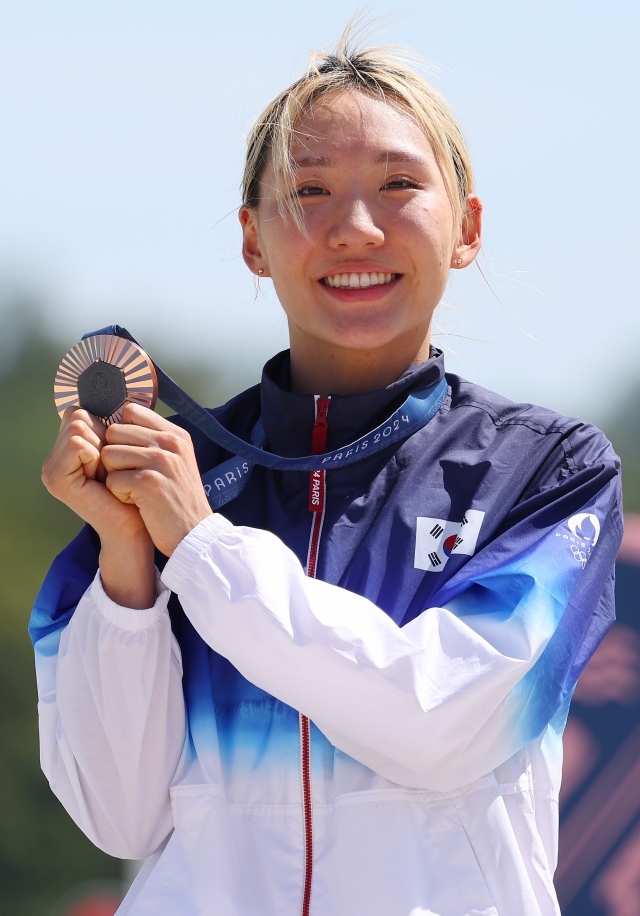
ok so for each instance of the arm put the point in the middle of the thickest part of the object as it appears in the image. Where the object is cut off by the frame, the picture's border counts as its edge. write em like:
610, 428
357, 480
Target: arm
112, 719
449, 696
109, 678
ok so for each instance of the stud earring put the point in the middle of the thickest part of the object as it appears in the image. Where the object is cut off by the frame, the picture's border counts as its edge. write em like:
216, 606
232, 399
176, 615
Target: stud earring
261, 270
459, 261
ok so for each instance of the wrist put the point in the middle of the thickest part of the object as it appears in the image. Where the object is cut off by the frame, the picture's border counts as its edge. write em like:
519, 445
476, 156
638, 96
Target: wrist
127, 570
182, 530
133, 542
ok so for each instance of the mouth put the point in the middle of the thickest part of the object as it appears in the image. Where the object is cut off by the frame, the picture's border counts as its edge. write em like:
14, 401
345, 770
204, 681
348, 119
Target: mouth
359, 280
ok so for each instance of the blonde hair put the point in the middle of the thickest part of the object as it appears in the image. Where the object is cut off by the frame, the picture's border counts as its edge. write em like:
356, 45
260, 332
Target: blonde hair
379, 71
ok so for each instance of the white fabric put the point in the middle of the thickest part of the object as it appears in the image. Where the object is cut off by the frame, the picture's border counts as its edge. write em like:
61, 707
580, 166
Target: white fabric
419, 806
422, 705
112, 721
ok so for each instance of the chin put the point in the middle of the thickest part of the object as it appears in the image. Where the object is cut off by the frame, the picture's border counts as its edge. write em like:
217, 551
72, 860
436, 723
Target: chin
360, 341
364, 332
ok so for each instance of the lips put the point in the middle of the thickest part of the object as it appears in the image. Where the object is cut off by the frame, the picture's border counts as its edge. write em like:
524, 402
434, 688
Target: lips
358, 280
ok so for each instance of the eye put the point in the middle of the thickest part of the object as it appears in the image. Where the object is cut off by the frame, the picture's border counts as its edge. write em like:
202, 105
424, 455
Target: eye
311, 190
400, 183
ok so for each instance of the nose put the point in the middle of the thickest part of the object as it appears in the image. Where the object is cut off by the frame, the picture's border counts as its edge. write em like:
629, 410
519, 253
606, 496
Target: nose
355, 227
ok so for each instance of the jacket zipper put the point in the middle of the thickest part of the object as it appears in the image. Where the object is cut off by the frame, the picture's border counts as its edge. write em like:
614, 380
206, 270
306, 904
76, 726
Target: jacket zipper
317, 493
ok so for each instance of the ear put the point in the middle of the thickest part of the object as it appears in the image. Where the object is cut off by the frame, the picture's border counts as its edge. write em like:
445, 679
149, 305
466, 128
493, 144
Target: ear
471, 237
251, 247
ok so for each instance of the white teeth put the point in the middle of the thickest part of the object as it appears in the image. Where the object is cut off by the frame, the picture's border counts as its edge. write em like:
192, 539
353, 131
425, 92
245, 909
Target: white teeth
359, 281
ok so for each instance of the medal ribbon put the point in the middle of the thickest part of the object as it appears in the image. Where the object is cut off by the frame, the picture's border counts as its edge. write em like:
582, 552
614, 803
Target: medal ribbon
228, 479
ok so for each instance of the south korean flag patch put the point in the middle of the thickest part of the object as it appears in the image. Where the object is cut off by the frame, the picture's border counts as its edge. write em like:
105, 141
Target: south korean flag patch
437, 539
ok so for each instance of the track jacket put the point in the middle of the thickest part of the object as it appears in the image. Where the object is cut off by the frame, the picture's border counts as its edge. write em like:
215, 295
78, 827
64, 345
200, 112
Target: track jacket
463, 578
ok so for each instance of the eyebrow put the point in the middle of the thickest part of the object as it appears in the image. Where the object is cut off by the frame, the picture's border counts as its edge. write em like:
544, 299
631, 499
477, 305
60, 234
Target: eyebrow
305, 162
399, 155
390, 155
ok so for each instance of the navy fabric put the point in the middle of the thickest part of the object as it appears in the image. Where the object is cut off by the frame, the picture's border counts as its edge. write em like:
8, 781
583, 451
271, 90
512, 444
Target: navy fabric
525, 467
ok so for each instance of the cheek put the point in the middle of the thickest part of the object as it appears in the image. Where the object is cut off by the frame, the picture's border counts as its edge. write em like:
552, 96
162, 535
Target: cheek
429, 232
287, 250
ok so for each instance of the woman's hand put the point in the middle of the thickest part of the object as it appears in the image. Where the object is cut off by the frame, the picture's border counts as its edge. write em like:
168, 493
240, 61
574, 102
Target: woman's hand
150, 464
69, 474
126, 556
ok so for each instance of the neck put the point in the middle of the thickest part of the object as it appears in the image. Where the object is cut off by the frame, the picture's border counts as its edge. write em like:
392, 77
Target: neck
318, 367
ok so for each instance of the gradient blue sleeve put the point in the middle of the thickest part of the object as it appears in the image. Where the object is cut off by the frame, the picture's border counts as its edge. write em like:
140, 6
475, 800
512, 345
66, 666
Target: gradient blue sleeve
68, 578
552, 568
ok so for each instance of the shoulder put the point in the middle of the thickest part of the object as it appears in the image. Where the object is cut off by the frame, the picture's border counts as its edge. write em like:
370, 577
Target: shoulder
554, 444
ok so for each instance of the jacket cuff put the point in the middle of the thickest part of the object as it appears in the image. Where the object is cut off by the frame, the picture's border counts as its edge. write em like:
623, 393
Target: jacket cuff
190, 548
127, 618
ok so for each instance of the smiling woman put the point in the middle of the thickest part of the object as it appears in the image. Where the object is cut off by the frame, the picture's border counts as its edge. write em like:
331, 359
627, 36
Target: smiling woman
345, 694
368, 164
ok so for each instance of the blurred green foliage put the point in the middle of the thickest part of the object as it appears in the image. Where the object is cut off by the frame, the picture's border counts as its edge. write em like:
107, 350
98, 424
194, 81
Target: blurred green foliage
42, 853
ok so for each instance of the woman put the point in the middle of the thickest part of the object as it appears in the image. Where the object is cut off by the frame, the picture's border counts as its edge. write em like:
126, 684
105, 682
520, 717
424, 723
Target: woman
355, 702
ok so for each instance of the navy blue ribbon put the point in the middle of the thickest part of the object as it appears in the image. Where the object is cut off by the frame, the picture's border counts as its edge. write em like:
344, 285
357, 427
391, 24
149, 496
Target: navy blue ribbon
226, 481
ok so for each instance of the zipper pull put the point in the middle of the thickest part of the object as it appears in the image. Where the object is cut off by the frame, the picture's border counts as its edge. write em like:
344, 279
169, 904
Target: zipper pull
319, 434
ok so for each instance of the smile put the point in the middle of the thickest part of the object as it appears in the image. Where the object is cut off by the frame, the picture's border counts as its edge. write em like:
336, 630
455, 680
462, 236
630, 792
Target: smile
359, 280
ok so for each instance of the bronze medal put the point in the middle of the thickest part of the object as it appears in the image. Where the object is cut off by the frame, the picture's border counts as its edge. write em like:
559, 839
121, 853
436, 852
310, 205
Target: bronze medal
101, 374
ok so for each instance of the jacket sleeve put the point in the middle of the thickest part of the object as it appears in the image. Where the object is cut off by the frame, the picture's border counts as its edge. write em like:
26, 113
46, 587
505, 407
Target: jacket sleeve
111, 707
455, 692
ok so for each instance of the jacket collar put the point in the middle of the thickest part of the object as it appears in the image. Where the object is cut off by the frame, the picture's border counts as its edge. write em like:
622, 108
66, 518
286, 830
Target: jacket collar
288, 418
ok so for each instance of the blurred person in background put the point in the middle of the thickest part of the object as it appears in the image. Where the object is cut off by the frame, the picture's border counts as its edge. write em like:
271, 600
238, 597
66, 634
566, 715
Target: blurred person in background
344, 694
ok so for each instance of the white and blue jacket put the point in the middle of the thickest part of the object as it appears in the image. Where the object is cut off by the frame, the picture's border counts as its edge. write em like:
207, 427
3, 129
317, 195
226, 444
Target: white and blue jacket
463, 580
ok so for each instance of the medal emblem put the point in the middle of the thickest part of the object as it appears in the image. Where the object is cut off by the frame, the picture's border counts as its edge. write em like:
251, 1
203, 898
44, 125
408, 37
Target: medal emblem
103, 373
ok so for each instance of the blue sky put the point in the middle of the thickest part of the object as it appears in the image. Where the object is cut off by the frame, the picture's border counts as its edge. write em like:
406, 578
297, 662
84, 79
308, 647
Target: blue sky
121, 143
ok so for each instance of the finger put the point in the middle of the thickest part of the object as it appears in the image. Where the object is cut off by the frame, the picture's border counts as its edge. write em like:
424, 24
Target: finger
129, 457
172, 438
63, 465
122, 484
72, 414
78, 427
143, 416
86, 453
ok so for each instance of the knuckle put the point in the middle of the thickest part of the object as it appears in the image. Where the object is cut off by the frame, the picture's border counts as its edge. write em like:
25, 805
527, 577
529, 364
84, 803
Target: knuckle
149, 477
162, 460
77, 443
46, 473
169, 440
77, 427
129, 411
49, 478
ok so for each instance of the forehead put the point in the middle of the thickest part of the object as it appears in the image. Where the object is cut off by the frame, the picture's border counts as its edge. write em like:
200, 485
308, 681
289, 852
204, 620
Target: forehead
352, 122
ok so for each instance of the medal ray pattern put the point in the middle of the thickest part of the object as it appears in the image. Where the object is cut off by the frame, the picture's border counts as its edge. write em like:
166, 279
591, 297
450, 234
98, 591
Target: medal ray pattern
73, 388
